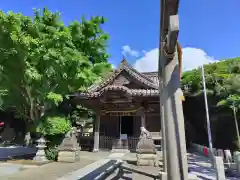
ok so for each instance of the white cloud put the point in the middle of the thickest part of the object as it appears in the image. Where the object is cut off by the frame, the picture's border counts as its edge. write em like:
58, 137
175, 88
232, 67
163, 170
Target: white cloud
147, 63
192, 58
144, 51
127, 50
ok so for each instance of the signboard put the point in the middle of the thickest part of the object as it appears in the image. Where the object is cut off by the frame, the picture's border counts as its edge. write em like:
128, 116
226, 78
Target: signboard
123, 136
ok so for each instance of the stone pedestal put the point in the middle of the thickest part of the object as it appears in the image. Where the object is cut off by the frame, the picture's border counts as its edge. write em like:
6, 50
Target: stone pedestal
69, 149
68, 156
40, 155
146, 153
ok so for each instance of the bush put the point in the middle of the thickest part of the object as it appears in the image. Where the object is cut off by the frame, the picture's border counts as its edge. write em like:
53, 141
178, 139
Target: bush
51, 153
54, 125
54, 129
53, 142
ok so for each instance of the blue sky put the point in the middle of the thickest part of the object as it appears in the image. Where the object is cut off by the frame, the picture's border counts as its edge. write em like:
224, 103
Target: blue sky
209, 29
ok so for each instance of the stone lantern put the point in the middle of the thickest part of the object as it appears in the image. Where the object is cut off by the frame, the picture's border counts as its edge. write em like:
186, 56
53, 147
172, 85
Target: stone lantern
40, 155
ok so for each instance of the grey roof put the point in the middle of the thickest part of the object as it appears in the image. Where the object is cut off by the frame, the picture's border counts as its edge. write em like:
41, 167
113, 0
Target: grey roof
149, 79
153, 76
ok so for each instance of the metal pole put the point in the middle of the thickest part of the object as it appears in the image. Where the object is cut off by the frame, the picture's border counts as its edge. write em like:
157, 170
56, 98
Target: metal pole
120, 128
207, 114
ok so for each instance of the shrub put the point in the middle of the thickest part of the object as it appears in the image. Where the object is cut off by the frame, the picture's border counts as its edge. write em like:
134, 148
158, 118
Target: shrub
54, 125
54, 129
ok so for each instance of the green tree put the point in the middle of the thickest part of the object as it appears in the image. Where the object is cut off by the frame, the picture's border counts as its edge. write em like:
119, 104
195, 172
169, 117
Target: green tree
233, 102
42, 60
223, 83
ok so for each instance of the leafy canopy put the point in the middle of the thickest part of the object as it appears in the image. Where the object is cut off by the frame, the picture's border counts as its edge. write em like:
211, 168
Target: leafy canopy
42, 60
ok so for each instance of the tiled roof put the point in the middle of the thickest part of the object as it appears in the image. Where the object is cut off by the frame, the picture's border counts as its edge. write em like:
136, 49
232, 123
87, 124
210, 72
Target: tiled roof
153, 76
132, 92
131, 71
150, 80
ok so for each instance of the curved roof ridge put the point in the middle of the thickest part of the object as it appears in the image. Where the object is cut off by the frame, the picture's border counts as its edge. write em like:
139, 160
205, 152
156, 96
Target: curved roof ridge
124, 65
132, 92
140, 74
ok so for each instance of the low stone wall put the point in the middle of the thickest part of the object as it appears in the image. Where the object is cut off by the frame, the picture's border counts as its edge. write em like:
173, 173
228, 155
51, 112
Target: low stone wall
203, 150
231, 161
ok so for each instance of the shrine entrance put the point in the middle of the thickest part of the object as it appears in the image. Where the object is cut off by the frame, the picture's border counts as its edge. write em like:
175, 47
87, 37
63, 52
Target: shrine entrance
126, 126
123, 101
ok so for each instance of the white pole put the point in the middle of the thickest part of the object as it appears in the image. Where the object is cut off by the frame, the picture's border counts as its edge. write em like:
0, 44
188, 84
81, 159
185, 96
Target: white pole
120, 120
207, 115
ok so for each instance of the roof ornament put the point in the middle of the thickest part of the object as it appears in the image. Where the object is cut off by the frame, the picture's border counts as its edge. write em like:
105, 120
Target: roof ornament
124, 61
122, 64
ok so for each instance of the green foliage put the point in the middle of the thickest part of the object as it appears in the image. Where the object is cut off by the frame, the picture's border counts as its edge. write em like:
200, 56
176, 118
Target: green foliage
42, 60
51, 153
231, 101
223, 87
217, 75
54, 125
55, 98
80, 114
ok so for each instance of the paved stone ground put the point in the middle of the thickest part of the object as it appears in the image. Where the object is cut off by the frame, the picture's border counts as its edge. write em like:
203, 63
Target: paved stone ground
198, 165
130, 160
47, 172
201, 166
50, 171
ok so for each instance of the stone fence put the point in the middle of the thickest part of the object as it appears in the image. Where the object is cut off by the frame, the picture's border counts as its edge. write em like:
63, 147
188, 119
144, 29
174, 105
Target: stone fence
203, 150
231, 161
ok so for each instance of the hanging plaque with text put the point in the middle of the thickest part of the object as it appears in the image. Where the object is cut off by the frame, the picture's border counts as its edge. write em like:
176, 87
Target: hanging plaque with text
123, 136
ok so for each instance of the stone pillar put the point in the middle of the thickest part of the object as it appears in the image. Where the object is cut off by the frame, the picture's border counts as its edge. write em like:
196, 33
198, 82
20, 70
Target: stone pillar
228, 157
220, 172
161, 96
143, 119
177, 166
96, 133
237, 160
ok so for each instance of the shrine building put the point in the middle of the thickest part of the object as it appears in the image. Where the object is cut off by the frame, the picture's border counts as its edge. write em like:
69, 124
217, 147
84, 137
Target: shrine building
123, 102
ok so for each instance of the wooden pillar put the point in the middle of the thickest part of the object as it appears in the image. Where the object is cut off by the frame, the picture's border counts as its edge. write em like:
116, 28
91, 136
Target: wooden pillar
96, 133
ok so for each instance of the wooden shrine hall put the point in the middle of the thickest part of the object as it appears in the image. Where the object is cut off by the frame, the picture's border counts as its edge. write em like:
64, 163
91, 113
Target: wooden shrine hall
123, 102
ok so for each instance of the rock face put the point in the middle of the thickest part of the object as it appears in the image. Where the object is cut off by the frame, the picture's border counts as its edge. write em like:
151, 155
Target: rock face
69, 149
146, 151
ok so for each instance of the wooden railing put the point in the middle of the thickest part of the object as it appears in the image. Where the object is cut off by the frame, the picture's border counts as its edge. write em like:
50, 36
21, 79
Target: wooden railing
132, 143
107, 142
